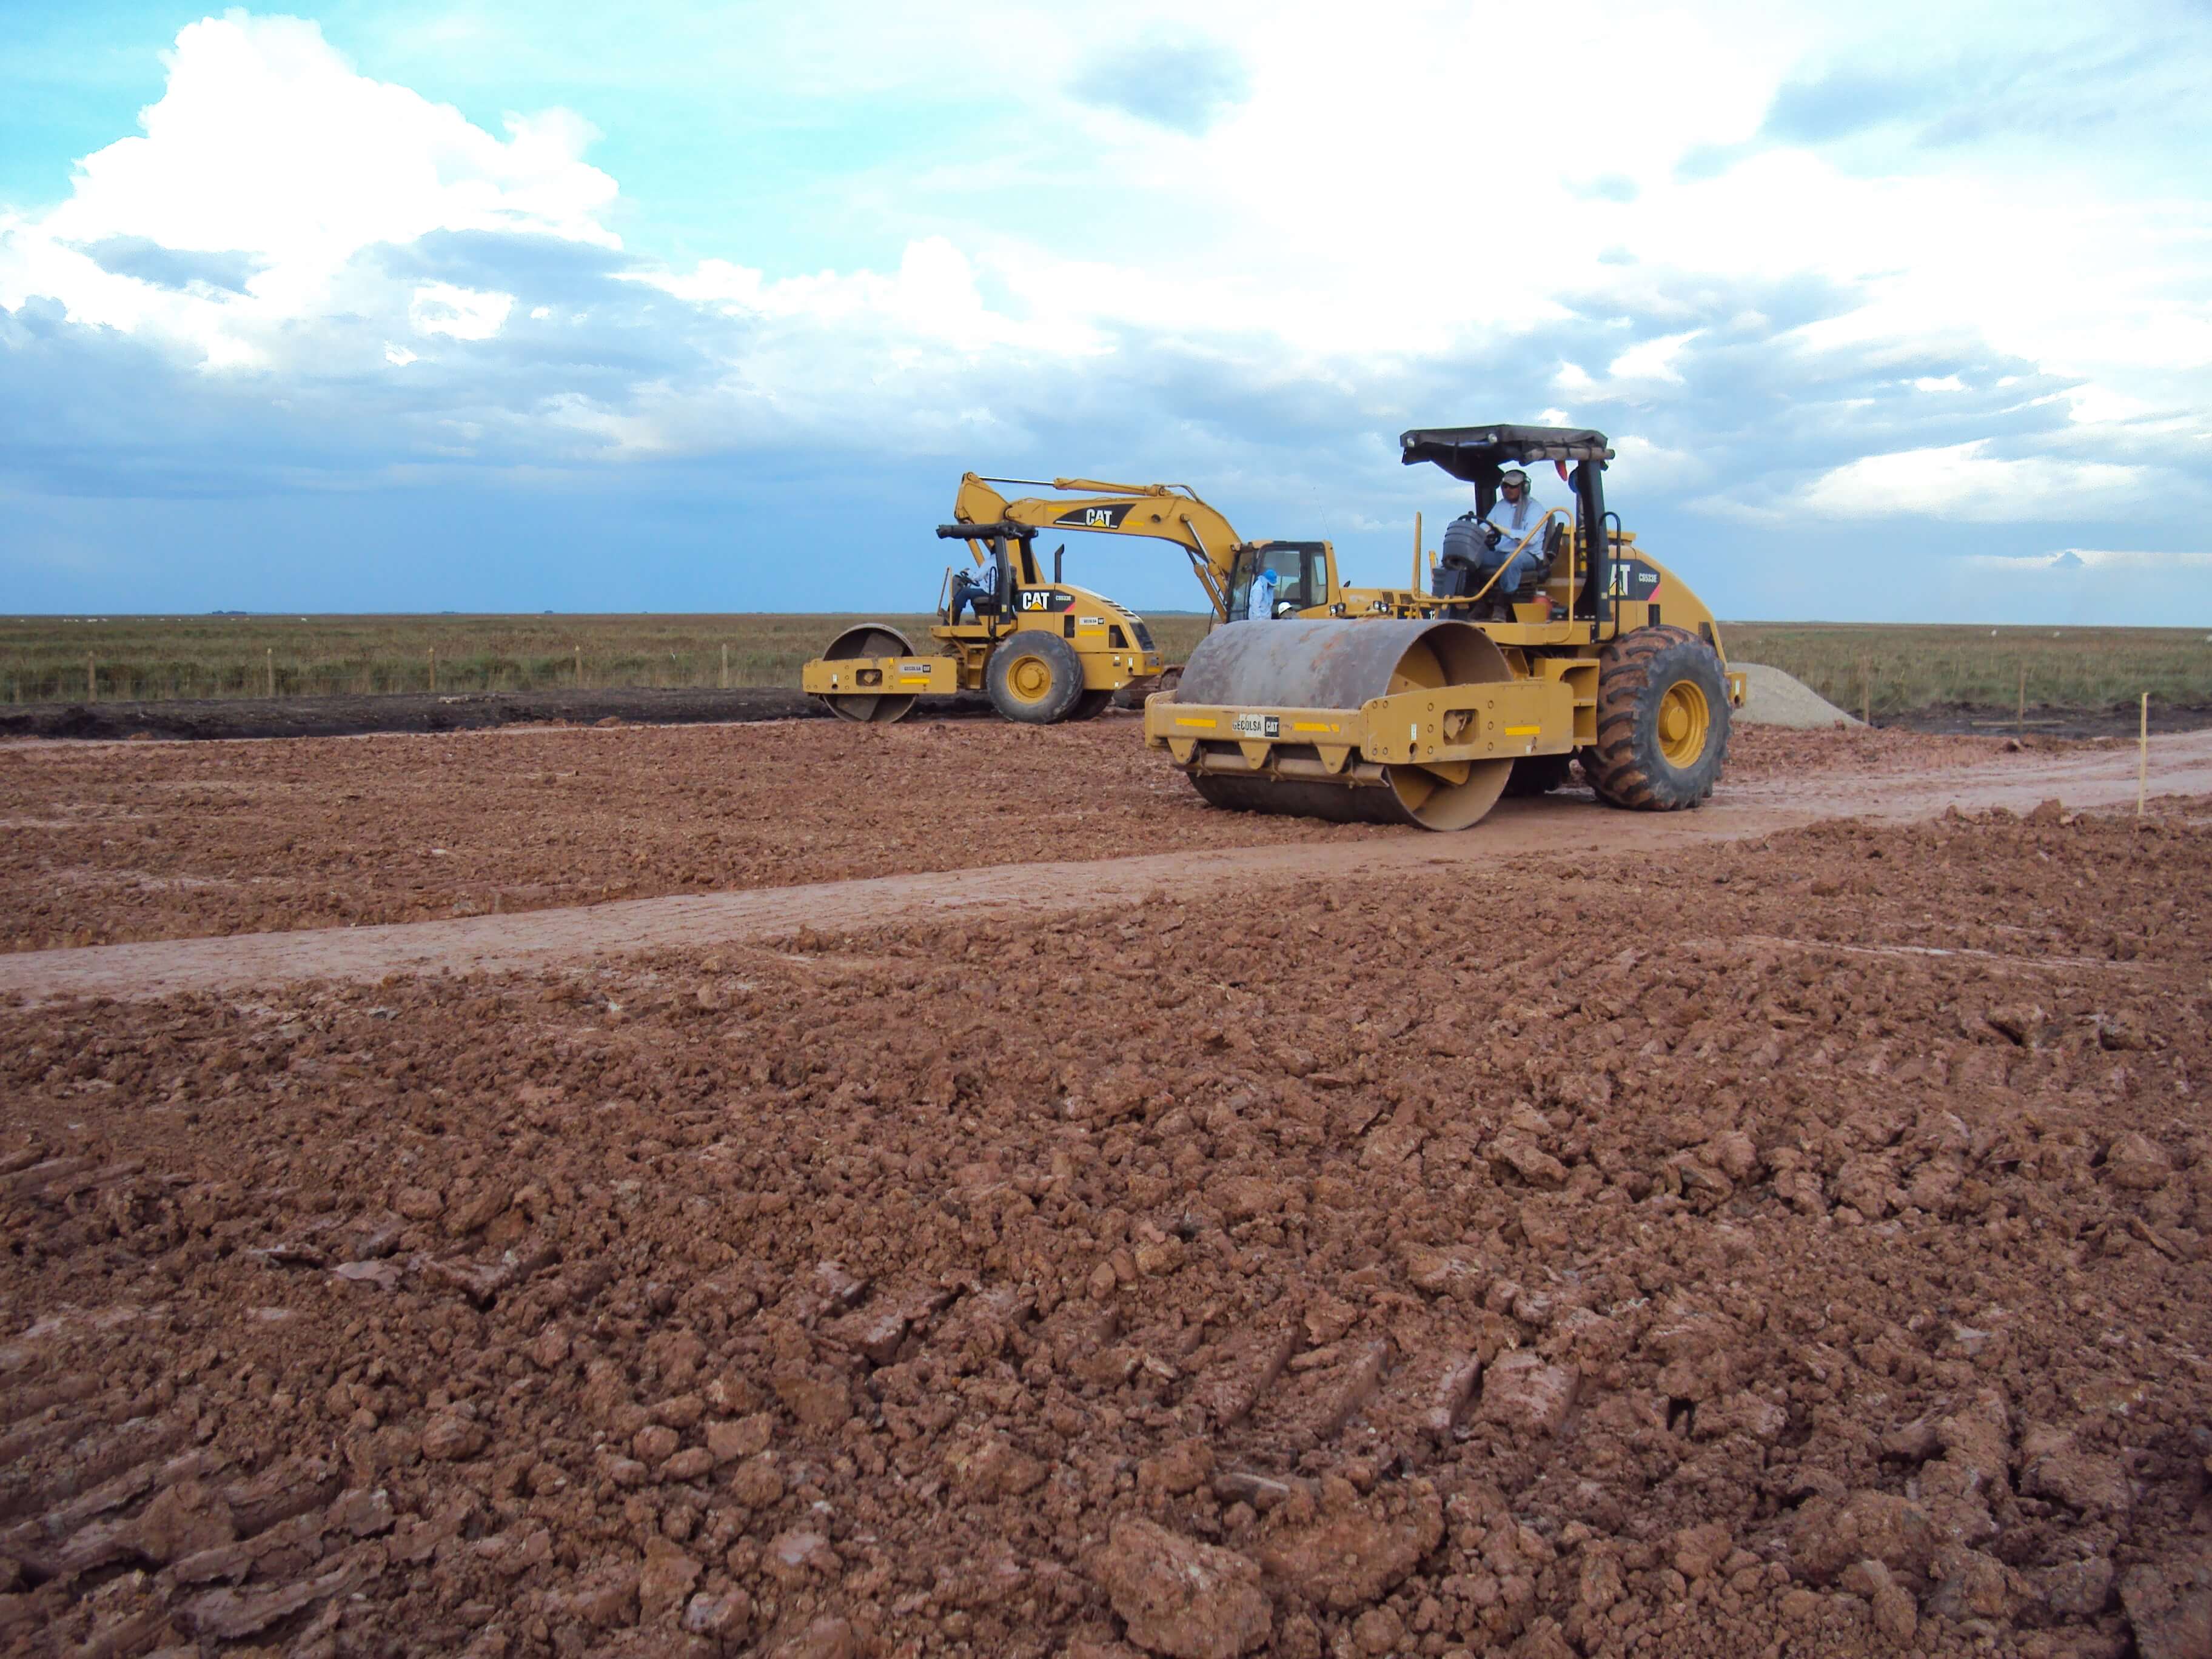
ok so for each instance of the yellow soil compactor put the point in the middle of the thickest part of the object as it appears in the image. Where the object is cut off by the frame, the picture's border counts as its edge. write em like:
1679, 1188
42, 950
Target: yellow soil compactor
1042, 649
1425, 709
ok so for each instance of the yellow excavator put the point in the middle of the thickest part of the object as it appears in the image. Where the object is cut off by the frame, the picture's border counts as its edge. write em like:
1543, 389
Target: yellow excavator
1042, 649
1424, 709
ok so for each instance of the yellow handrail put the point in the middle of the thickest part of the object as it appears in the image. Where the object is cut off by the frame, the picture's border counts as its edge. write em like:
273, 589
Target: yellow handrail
1476, 598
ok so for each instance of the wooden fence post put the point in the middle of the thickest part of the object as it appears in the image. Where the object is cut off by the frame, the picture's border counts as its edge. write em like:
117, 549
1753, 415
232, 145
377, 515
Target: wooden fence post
580, 668
2143, 757
434, 671
2019, 715
726, 665
272, 670
91, 679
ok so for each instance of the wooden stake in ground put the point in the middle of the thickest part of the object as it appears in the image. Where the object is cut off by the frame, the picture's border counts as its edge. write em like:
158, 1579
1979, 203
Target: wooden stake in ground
580, 668
2143, 757
1866, 691
272, 670
434, 671
726, 665
2019, 715
91, 679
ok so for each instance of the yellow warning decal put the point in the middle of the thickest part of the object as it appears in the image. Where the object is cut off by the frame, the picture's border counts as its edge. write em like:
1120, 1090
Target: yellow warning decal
1312, 725
1522, 731
1209, 724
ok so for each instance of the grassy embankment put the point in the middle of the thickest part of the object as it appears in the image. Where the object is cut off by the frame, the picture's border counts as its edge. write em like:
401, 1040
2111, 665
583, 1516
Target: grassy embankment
1900, 668
46, 658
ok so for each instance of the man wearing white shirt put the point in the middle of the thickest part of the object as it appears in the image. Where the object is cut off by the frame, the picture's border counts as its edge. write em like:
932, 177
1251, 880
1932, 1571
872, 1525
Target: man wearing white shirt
1515, 516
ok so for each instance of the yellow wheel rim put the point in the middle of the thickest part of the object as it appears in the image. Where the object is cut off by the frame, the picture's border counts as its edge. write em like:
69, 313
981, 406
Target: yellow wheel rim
1685, 720
1029, 679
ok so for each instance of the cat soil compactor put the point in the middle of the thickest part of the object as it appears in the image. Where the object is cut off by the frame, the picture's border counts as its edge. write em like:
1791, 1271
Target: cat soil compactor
1041, 649
1425, 709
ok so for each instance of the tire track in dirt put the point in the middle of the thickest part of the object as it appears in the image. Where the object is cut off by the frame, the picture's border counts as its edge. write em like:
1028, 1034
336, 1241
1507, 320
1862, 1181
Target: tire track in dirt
1558, 827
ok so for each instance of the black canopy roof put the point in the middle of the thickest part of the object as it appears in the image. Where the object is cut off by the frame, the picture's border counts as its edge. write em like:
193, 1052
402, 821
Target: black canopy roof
1471, 452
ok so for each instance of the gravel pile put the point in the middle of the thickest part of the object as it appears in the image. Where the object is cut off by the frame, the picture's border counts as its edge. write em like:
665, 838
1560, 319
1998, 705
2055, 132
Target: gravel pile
1778, 699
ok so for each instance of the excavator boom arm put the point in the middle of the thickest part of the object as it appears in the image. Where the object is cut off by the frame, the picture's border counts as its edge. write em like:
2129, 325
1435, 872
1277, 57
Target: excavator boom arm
1168, 513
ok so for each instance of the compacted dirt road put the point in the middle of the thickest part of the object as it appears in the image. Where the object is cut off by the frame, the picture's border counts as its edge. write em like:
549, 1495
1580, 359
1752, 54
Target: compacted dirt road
1568, 824
1568, 1238
106, 842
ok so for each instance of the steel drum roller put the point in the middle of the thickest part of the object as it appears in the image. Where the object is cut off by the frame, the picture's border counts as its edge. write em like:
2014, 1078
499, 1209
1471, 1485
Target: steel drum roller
1335, 663
876, 708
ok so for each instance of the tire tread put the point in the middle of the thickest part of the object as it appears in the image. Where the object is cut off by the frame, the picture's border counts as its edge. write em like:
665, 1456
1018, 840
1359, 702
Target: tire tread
1616, 770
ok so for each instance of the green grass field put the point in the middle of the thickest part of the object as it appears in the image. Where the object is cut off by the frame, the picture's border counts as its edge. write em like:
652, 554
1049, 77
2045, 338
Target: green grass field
64, 658
1898, 668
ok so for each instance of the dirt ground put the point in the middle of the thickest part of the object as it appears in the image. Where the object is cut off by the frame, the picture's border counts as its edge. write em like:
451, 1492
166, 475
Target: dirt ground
334, 716
217, 718
1793, 1245
104, 842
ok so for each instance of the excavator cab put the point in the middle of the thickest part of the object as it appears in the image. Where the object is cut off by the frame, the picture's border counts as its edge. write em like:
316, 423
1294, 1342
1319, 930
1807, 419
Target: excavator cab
1301, 572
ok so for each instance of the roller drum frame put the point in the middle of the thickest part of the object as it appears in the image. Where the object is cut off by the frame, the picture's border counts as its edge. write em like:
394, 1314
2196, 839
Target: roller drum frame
870, 708
1332, 664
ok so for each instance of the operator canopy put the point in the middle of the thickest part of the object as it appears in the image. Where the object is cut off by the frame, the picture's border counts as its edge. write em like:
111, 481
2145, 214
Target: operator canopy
1477, 454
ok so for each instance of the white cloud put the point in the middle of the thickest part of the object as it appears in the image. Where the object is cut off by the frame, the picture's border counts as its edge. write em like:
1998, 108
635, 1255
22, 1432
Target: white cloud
933, 297
1964, 481
266, 144
2074, 559
1653, 360
1654, 466
464, 314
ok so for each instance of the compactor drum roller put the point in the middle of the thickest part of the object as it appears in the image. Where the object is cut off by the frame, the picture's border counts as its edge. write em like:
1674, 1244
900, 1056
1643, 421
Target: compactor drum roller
1389, 721
879, 702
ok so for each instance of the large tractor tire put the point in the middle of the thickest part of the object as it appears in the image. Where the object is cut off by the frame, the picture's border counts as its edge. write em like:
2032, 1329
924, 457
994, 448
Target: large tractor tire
1090, 705
1538, 775
1035, 677
1662, 722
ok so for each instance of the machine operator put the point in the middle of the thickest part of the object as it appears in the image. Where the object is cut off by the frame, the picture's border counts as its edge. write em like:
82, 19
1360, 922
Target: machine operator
977, 589
1479, 548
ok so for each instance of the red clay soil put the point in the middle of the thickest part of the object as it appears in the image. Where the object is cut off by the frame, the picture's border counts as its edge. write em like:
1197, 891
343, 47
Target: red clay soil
104, 842
1795, 1246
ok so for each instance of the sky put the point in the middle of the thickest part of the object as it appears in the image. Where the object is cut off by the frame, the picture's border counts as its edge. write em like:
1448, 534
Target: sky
1892, 313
